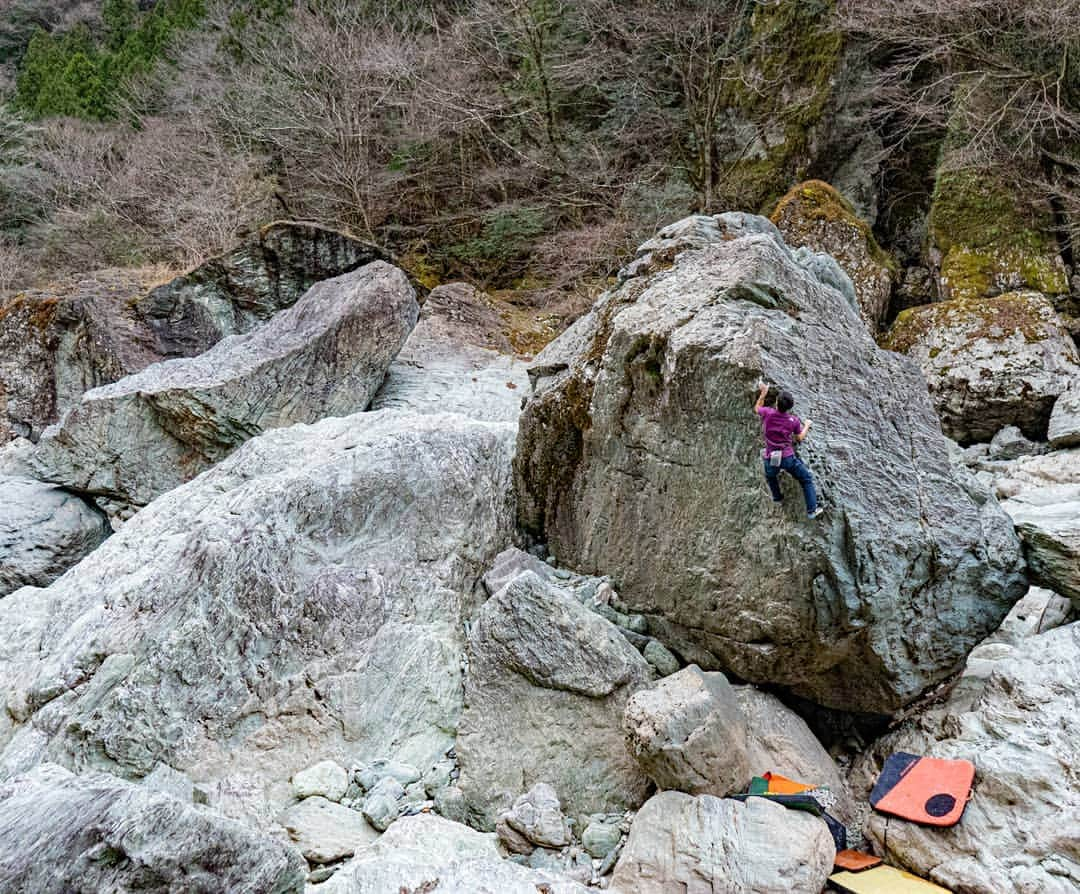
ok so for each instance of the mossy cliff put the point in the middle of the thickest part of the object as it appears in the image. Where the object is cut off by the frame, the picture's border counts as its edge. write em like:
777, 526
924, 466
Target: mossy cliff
991, 239
783, 91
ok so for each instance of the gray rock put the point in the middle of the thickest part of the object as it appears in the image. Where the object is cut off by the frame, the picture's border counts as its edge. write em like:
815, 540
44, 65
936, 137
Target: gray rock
324, 831
305, 597
1019, 722
538, 816
511, 563
403, 773
439, 776
688, 734
1064, 427
61, 833
428, 853
816, 216
43, 532
600, 838
171, 782
326, 778
450, 803
1048, 520
381, 805
681, 843
660, 657
513, 840
324, 356
991, 362
547, 683
646, 436
1010, 443
236, 291
456, 360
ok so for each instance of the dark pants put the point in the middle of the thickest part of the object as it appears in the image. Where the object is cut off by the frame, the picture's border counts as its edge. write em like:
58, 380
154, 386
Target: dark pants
794, 467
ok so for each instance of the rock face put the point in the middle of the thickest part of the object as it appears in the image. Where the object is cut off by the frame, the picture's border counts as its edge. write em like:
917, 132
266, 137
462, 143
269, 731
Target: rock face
681, 843
62, 833
43, 532
1016, 718
456, 360
304, 597
816, 215
242, 288
427, 853
688, 734
93, 330
324, 356
1064, 428
639, 457
548, 680
989, 362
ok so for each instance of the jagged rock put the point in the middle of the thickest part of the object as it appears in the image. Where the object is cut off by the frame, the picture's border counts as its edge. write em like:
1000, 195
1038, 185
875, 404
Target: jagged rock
325, 831
989, 362
43, 532
538, 816
456, 360
93, 330
1010, 443
61, 833
681, 843
427, 853
547, 683
327, 778
304, 597
1048, 520
235, 292
148, 433
1018, 720
688, 734
57, 343
639, 457
511, 563
1064, 427
815, 215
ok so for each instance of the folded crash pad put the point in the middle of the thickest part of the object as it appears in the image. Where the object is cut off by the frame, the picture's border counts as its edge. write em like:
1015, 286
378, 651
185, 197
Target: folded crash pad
884, 880
781, 785
855, 861
926, 790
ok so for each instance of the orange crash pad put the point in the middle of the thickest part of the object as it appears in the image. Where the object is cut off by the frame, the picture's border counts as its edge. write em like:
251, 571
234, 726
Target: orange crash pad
926, 790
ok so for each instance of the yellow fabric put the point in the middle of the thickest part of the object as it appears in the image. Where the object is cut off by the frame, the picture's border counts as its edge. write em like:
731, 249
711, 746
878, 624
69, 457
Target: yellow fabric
884, 880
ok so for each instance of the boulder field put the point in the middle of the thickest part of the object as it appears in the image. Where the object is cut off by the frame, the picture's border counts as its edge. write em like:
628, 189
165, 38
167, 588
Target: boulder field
389, 610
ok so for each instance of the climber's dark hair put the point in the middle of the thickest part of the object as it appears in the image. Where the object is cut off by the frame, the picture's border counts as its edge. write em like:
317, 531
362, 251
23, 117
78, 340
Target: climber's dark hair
784, 402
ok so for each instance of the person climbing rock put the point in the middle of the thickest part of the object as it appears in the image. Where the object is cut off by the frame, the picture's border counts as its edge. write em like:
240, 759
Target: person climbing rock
782, 429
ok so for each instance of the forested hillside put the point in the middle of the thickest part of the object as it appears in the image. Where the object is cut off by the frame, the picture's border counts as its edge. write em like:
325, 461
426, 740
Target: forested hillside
527, 144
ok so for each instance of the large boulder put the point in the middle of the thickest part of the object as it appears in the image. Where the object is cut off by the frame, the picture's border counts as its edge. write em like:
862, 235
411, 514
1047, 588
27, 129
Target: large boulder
43, 532
87, 331
989, 362
1048, 520
1064, 427
61, 833
236, 291
816, 215
305, 597
324, 356
639, 456
680, 843
428, 853
456, 360
547, 684
688, 734
1015, 713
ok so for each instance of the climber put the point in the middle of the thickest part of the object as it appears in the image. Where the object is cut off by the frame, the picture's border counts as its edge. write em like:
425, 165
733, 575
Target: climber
781, 426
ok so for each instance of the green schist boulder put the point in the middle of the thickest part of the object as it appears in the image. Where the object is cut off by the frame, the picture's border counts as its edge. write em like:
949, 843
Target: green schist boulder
817, 216
992, 240
989, 362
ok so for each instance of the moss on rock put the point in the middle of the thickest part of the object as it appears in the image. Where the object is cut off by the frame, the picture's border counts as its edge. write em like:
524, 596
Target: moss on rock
992, 240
